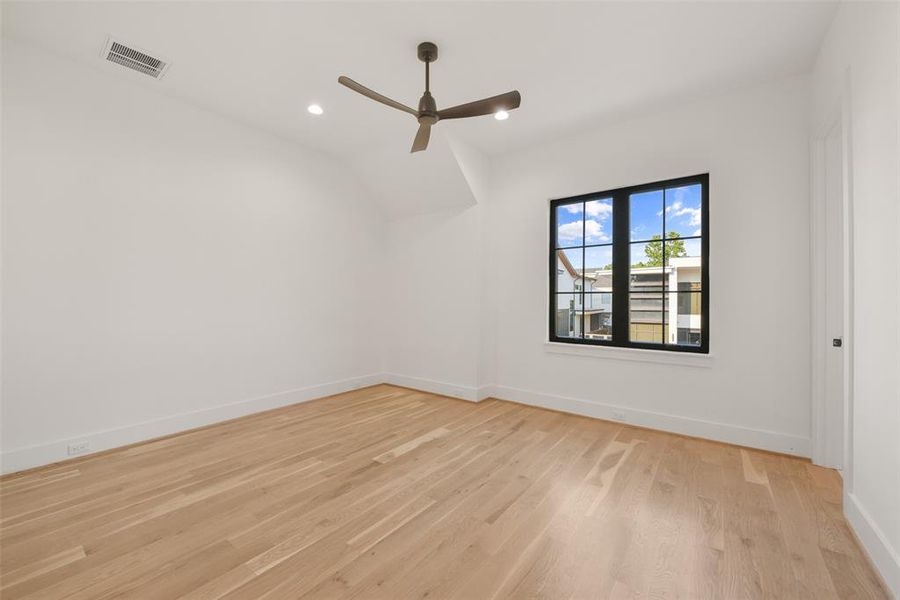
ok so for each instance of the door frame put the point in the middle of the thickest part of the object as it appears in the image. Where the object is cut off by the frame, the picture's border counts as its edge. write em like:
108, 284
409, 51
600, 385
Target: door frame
822, 439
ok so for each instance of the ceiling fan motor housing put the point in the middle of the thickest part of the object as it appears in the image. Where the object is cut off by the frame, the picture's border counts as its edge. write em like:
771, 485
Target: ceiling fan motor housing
427, 106
428, 52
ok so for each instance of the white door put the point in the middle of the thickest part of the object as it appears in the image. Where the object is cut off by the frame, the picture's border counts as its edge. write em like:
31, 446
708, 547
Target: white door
835, 268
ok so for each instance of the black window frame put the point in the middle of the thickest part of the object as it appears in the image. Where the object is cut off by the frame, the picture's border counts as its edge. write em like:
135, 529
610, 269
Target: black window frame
621, 248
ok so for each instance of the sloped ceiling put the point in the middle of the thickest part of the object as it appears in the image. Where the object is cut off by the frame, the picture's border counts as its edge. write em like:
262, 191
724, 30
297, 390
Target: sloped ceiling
407, 184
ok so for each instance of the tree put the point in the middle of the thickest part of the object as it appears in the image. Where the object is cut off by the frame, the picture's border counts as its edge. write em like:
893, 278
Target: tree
654, 250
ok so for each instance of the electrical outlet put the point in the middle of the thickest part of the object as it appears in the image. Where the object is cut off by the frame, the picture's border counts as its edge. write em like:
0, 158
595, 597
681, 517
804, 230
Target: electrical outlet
618, 415
79, 447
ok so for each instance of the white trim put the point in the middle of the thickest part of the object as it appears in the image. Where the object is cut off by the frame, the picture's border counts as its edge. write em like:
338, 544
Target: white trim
885, 558
849, 282
817, 300
486, 391
442, 388
722, 432
19, 459
823, 452
684, 359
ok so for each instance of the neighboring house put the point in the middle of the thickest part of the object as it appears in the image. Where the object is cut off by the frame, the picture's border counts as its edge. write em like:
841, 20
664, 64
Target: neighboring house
590, 312
569, 284
673, 289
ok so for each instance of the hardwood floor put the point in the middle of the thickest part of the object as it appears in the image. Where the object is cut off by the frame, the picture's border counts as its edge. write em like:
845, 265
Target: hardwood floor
391, 493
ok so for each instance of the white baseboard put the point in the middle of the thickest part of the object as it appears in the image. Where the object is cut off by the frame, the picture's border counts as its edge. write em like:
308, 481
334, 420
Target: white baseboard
885, 558
443, 388
486, 391
42, 454
722, 432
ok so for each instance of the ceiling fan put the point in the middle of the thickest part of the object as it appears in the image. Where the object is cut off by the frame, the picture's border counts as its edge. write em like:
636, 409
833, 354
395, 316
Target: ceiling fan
427, 114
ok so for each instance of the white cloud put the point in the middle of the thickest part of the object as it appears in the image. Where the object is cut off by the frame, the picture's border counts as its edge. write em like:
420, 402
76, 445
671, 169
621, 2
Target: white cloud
678, 209
595, 208
593, 231
599, 208
570, 231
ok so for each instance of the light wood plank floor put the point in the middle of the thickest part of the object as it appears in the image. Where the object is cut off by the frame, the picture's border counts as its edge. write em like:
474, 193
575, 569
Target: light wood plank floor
391, 493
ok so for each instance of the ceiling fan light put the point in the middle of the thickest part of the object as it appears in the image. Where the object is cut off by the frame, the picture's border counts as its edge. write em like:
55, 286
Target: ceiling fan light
501, 115
314, 109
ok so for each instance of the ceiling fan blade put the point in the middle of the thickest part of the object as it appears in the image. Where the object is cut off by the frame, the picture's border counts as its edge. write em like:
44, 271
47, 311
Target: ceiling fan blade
507, 101
346, 81
422, 136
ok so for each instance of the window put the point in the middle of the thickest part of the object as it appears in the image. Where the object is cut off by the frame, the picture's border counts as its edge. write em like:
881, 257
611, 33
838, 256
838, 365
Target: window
630, 267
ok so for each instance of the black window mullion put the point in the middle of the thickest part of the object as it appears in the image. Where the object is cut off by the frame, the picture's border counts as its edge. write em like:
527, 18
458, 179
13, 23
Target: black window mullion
704, 269
665, 280
685, 238
583, 278
553, 274
620, 264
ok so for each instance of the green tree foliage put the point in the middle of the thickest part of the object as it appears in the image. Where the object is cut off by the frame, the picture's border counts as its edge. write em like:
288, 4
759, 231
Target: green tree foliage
654, 250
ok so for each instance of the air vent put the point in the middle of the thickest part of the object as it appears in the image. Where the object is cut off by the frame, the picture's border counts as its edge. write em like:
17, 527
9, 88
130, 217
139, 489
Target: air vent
134, 59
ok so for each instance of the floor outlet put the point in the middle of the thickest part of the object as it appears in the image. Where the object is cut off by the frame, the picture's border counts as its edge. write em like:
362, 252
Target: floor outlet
79, 447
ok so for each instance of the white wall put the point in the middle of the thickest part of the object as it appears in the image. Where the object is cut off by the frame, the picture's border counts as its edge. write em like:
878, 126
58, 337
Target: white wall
859, 66
754, 389
468, 288
434, 288
161, 263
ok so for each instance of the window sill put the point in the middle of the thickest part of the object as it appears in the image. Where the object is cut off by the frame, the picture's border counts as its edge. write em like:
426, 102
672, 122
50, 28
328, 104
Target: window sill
684, 359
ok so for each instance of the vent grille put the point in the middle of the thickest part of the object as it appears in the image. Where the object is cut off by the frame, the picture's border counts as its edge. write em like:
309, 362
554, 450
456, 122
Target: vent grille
134, 59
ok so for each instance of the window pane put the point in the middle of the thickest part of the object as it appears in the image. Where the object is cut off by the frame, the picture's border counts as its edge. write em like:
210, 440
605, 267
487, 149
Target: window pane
598, 268
646, 211
645, 317
646, 272
598, 316
568, 315
648, 254
569, 270
570, 225
693, 248
683, 216
685, 265
688, 323
677, 248
598, 221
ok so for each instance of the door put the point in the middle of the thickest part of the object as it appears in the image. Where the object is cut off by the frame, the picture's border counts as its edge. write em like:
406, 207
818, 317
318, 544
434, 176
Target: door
835, 273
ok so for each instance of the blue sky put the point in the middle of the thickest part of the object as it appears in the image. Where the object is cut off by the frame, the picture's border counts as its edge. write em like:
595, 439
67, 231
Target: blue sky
683, 210
682, 215
597, 223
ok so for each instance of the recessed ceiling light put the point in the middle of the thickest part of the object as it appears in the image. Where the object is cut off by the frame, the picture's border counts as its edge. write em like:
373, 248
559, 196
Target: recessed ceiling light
501, 115
314, 109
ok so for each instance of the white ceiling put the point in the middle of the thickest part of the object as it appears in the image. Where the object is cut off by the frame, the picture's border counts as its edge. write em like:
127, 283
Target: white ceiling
576, 64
